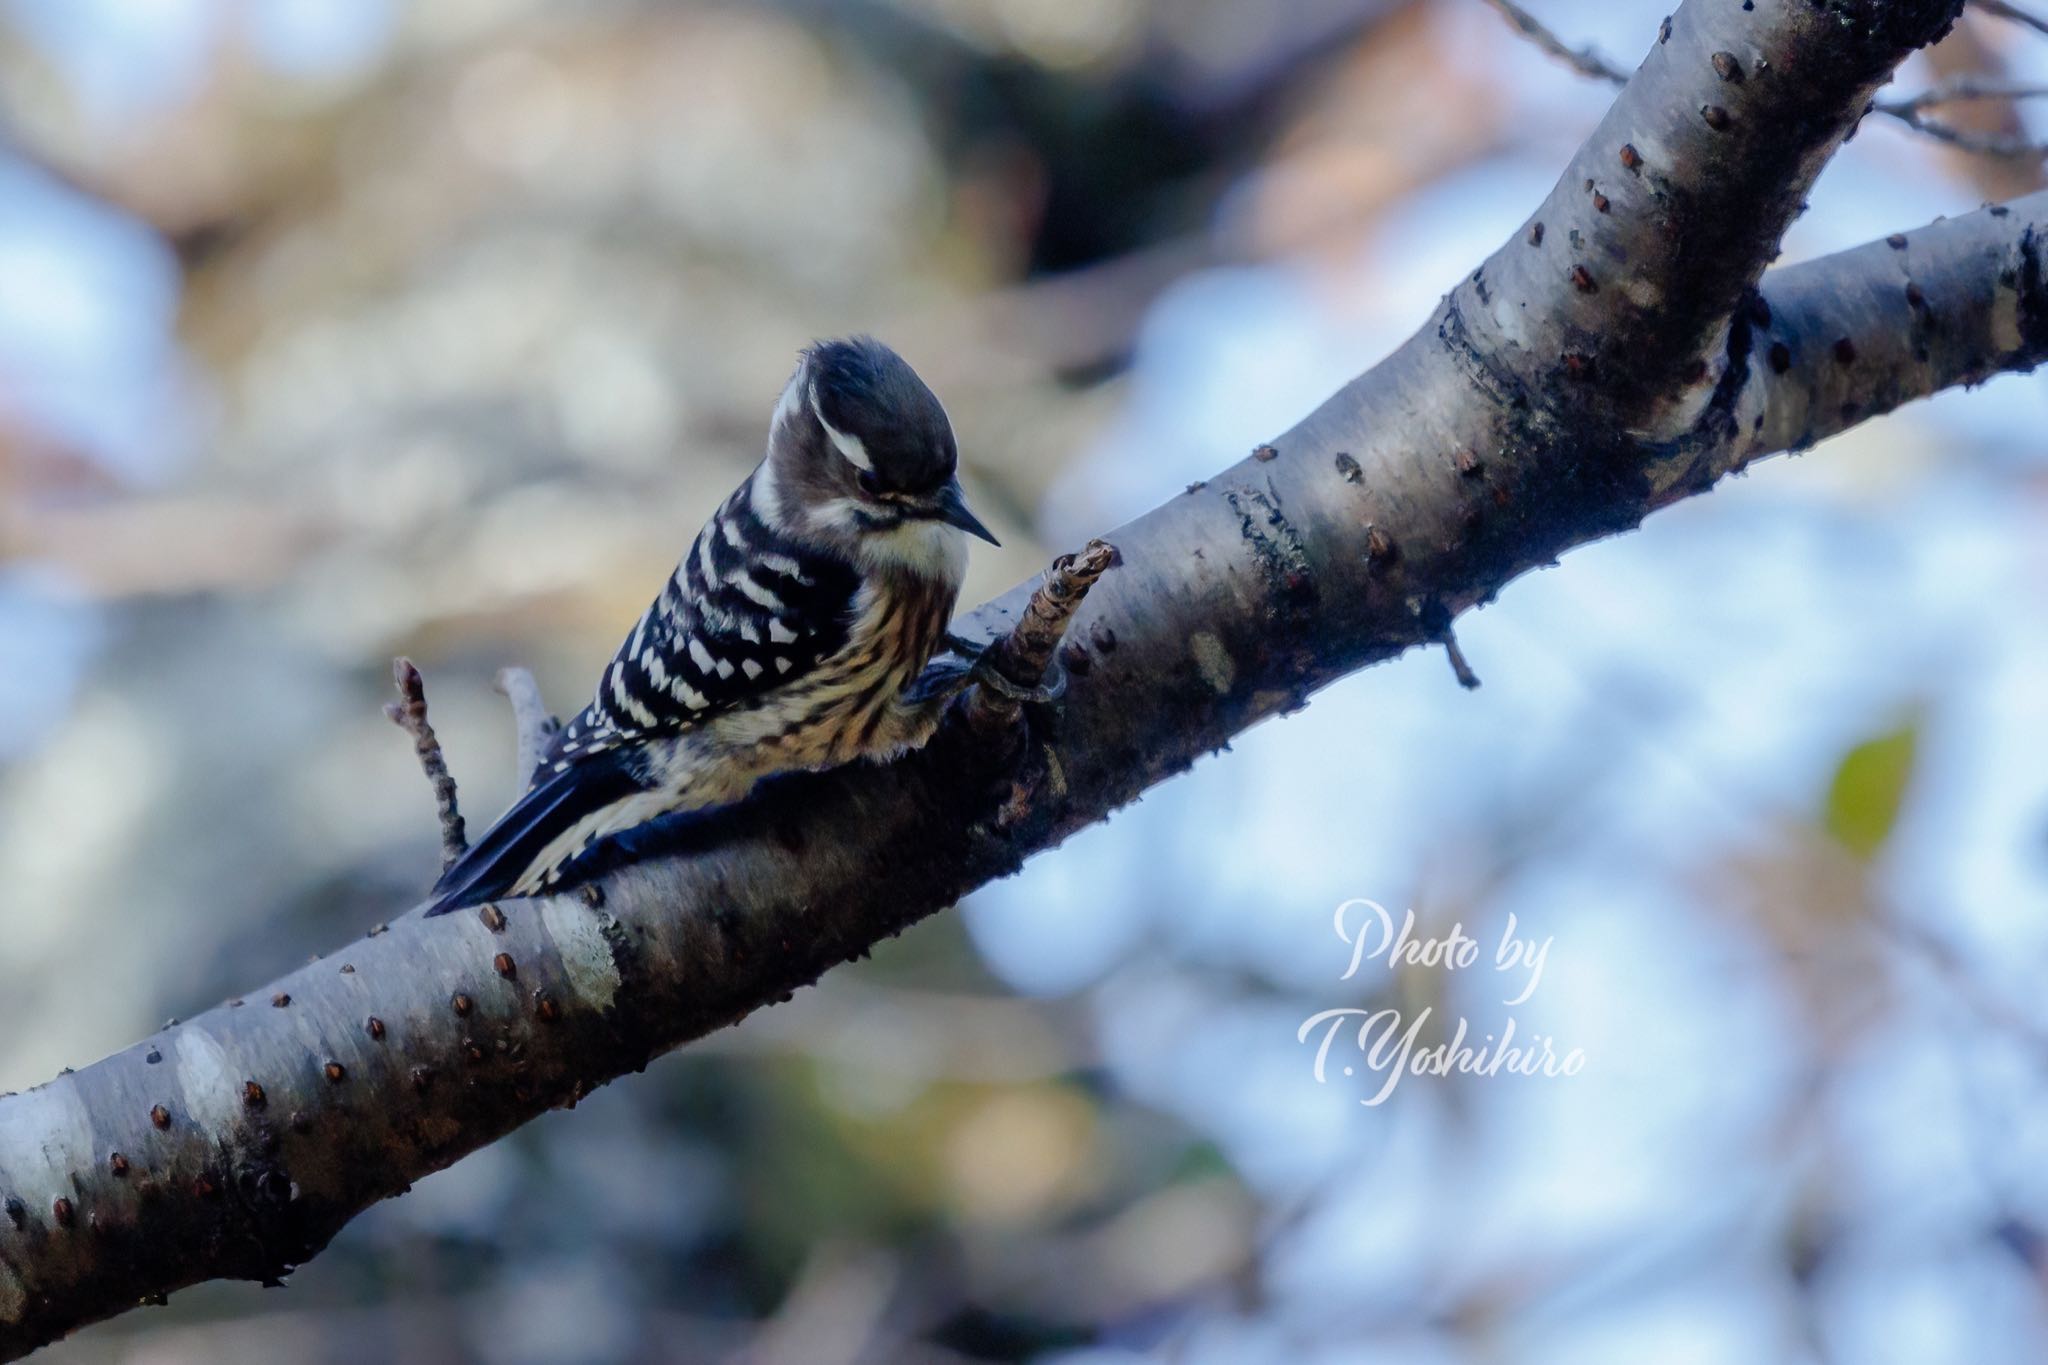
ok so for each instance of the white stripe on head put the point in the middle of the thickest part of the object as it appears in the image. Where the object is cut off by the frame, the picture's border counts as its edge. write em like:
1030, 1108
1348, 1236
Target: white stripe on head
850, 446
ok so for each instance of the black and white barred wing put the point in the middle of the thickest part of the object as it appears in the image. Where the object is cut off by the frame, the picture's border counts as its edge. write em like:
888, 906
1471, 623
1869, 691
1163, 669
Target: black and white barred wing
744, 617
745, 614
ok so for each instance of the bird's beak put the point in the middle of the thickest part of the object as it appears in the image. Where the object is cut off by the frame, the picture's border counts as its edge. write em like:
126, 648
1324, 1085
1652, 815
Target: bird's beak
949, 505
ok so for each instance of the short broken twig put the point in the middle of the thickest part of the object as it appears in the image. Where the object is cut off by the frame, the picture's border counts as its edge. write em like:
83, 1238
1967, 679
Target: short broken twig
409, 714
1025, 656
1467, 679
534, 726
1436, 619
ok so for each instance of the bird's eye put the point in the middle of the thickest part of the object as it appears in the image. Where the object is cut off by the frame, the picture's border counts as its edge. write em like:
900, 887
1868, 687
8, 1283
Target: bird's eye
868, 484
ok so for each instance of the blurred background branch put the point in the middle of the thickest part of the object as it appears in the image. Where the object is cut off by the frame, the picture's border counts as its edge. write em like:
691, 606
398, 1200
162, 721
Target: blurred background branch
532, 723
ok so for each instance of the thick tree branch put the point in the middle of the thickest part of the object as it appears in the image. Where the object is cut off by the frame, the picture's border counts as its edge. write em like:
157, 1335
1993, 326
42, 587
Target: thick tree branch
1612, 357
1857, 334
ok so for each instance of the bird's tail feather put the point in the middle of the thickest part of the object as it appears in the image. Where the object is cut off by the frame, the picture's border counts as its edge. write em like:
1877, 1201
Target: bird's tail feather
523, 835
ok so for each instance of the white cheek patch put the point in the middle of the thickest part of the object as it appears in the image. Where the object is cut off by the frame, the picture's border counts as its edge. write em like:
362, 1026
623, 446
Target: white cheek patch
838, 514
850, 446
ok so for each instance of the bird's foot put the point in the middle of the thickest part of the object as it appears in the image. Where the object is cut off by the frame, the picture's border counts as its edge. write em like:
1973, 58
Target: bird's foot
943, 679
1050, 690
968, 664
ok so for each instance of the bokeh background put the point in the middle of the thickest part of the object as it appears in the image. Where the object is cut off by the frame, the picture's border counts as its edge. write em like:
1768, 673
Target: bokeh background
334, 329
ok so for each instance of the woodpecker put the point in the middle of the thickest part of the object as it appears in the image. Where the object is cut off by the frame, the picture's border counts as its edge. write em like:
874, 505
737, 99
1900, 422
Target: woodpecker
789, 636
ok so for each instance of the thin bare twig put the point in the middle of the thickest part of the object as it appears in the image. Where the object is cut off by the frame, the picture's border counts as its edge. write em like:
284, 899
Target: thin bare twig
2011, 13
409, 714
531, 720
1962, 90
1909, 110
1984, 144
1585, 60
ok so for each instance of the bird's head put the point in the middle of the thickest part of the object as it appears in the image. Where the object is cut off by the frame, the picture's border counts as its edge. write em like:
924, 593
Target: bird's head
861, 457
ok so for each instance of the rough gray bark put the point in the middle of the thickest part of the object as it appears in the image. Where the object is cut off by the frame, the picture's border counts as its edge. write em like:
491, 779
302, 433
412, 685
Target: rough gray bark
1614, 356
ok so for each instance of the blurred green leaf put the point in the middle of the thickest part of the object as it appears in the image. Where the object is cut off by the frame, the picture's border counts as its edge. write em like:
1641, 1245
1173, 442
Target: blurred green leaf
1869, 789
1202, 1161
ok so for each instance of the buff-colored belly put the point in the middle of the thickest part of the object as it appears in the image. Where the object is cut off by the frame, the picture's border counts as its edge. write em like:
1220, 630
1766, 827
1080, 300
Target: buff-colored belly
849, 708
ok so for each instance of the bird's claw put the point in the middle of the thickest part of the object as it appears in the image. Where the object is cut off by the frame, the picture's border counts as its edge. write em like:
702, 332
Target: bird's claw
943, 679
970, 664
1050, 690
